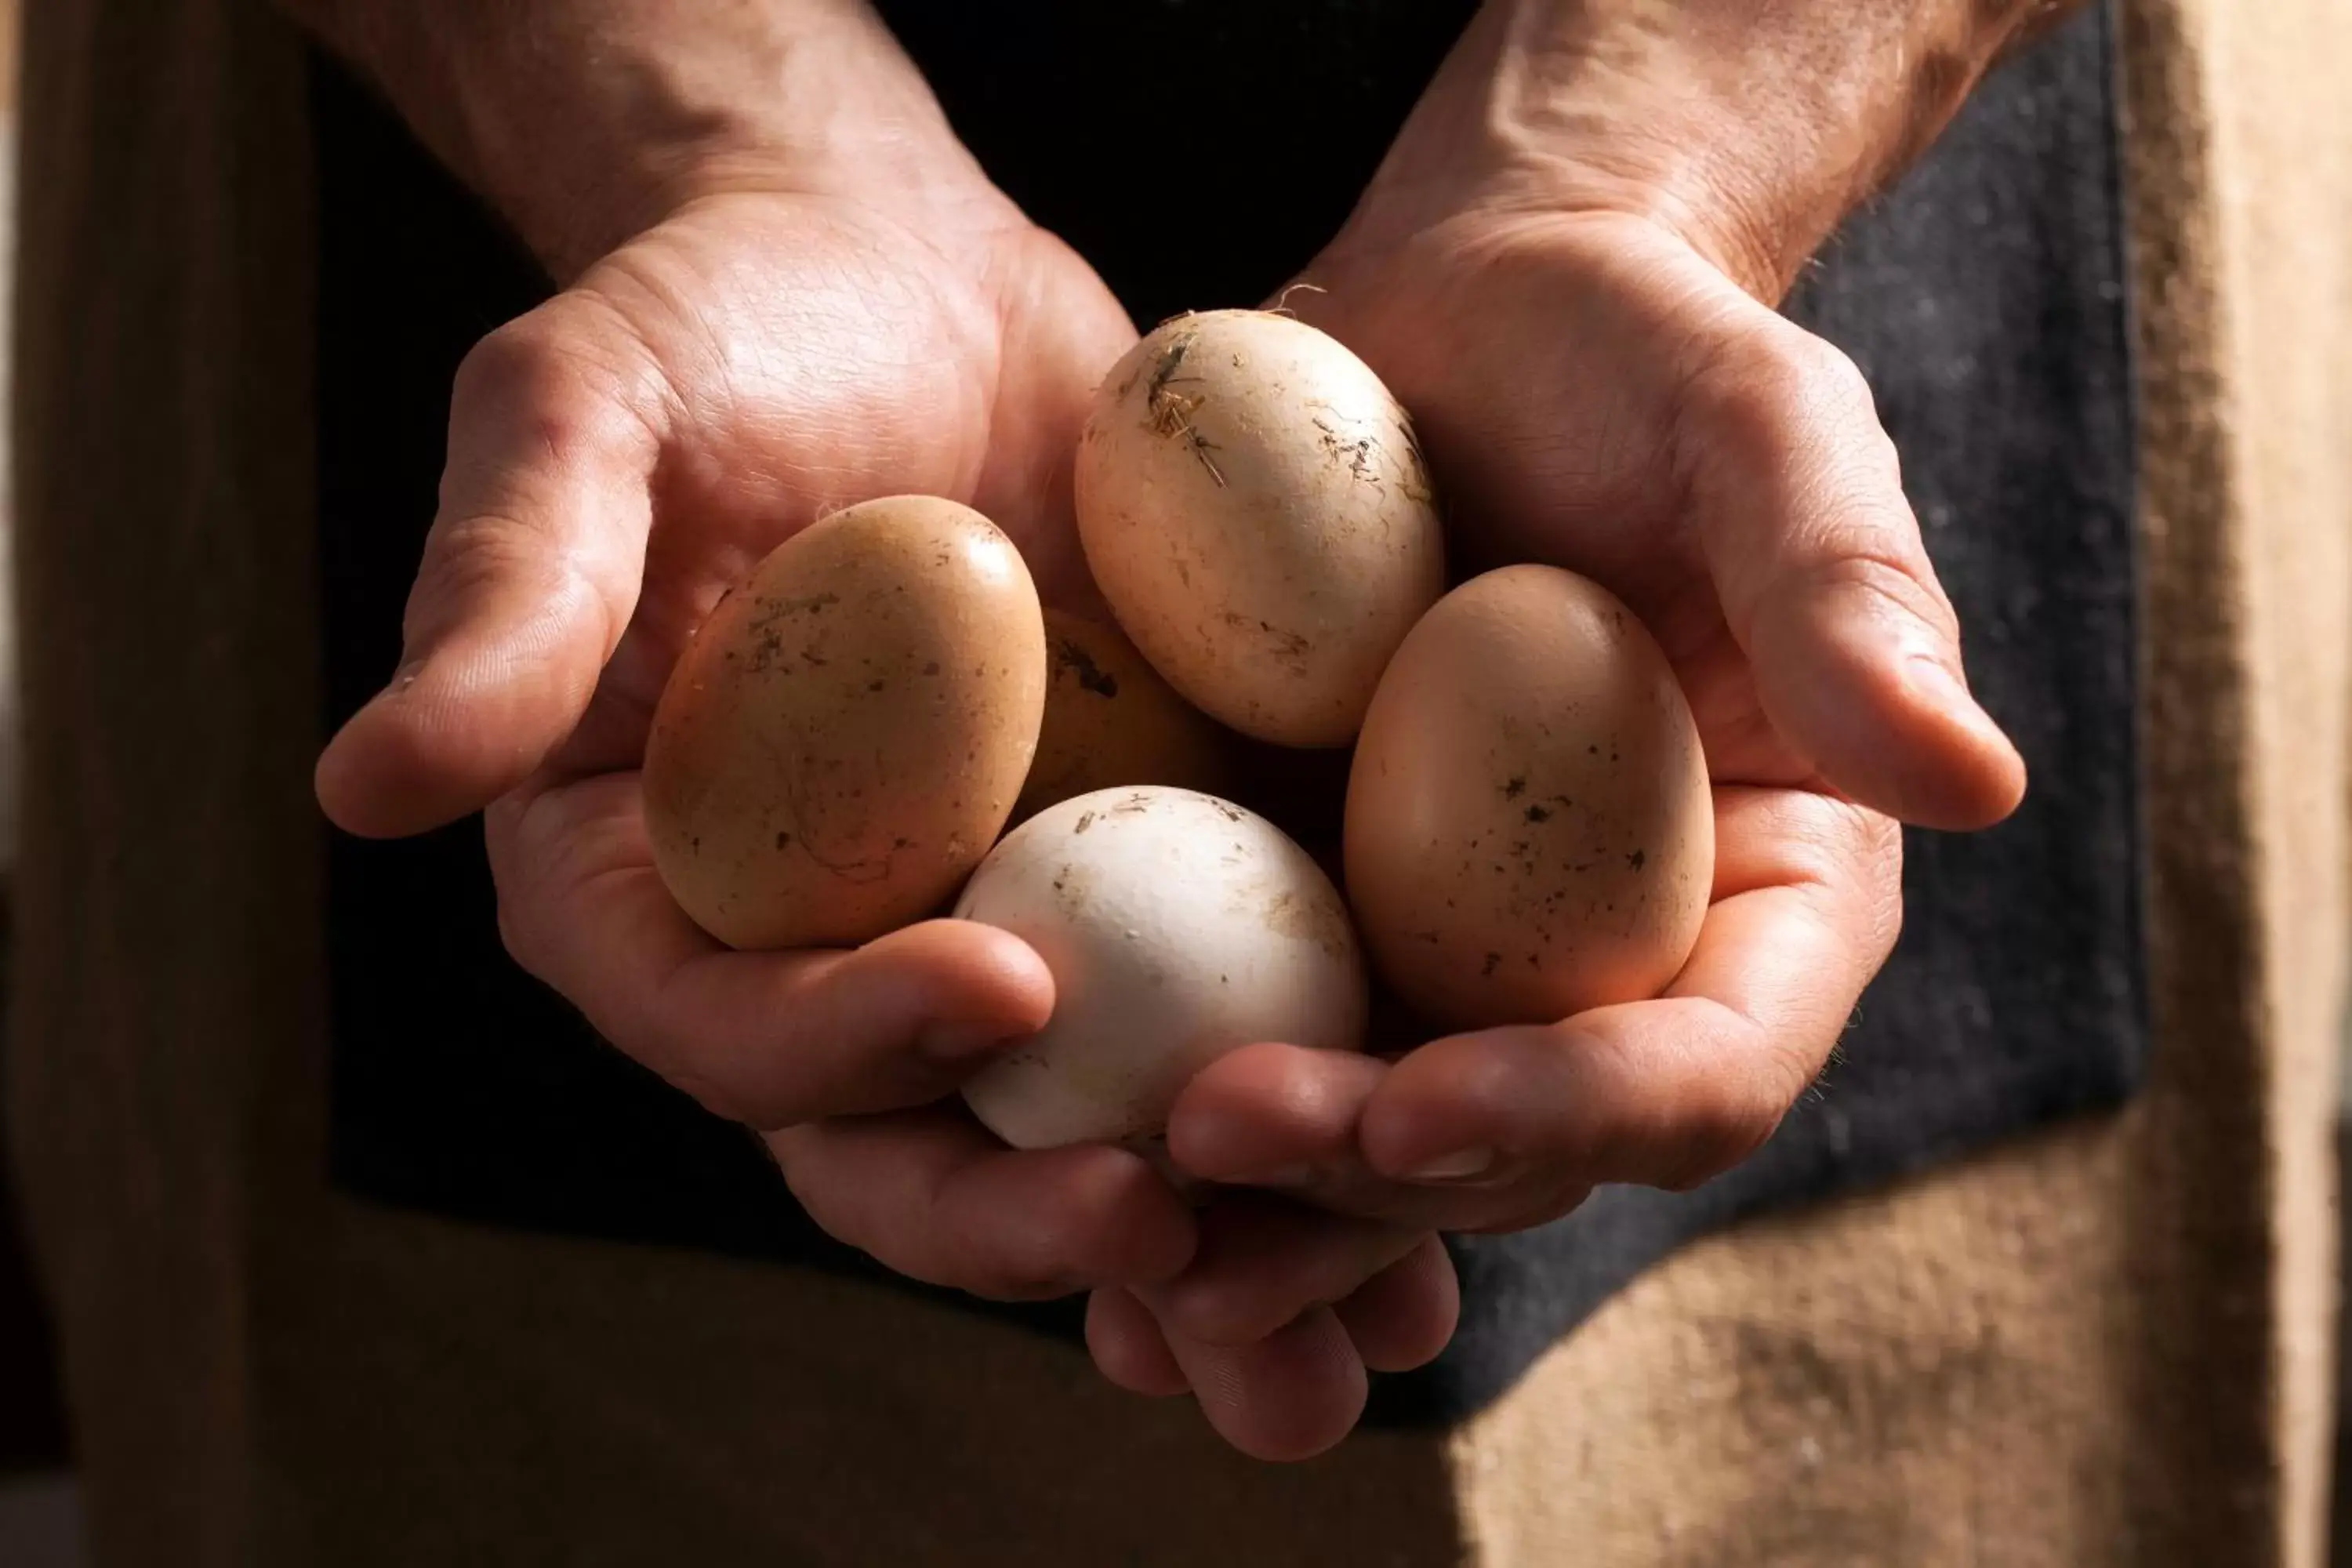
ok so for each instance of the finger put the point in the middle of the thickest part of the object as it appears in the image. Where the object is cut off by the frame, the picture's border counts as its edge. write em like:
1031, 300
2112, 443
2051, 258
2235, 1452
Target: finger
1403, 1317
1669, 1092
530, 573
1272, 1115
765, 1038
1128, 1349
1287, 1118
1284, 1117
1289, 1397
1798, 498
932, 1195
1261, 1262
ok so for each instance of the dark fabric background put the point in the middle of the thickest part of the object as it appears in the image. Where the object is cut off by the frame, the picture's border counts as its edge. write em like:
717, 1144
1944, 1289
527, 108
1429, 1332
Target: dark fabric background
1984, 299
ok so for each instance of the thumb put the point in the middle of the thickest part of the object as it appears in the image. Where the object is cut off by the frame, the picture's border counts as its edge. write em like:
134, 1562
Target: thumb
529, 575
1798, 497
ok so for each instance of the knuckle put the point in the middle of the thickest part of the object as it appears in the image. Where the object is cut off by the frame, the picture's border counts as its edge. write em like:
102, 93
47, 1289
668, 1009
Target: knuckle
472, 553
545, 360
1725, 1127
1810, 376
1884, 573
1773, 403
1753, 384
565, 383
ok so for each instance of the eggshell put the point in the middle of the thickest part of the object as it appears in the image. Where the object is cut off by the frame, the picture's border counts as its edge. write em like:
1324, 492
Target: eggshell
844, 736
1178, 927
1529, 831
1257, 513
1111, 721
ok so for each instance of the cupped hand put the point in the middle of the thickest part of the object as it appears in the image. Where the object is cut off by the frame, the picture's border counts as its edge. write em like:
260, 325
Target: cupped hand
1595, 392
619, 456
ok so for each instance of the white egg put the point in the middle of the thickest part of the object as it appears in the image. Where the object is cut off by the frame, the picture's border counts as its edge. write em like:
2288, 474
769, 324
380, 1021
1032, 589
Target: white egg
1178, 927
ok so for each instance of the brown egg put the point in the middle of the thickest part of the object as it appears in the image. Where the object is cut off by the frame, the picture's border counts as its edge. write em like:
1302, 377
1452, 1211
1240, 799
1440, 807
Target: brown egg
843, 740
1254, 504
1111, 721
1530, 831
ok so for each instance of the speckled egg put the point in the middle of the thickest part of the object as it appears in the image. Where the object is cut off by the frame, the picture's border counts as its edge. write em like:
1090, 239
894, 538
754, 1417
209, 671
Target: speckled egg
1529, 829
844, 738
1255, 508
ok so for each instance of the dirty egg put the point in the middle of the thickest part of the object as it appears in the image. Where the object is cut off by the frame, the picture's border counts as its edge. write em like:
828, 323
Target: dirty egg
1111, 721
844, 738
1178, 927
1255, 508
1529, 826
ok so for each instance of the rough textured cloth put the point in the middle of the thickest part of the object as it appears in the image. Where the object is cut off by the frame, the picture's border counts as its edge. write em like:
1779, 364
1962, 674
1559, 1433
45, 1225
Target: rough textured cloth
2104, 1345
1984, 299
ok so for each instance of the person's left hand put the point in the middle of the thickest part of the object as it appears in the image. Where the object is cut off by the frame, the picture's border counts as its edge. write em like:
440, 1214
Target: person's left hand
1595, 392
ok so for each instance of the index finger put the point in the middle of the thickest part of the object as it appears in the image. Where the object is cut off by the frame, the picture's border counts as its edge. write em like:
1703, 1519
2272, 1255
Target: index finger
771, 1040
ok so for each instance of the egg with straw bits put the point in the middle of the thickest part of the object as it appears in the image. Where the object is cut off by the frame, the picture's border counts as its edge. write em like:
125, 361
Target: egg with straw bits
1256, 511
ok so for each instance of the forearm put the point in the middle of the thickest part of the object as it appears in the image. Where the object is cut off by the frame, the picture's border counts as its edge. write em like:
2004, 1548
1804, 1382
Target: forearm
584, 120
1753, 128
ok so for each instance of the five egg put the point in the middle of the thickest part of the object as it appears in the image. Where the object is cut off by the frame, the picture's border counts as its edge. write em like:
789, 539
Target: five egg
1528, 828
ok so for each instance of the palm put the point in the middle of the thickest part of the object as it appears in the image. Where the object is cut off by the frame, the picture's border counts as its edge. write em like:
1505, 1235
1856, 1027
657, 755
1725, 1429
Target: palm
811, 354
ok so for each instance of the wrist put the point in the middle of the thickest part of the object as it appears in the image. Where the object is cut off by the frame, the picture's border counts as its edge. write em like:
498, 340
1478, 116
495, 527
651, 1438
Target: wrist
1749, 132
586, 121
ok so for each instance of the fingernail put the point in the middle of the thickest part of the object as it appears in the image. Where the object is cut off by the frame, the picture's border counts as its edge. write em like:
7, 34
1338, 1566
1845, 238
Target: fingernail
959, 1043
1459, 1166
